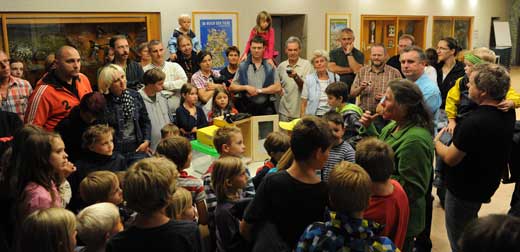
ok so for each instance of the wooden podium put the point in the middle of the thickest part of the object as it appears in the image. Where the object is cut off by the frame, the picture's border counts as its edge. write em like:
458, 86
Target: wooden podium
255, 130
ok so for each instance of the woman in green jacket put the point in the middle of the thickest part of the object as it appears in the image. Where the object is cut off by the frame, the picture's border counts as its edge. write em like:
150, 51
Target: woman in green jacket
410, 136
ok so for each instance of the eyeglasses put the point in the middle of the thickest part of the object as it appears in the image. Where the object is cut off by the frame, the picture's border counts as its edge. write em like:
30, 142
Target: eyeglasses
443, 48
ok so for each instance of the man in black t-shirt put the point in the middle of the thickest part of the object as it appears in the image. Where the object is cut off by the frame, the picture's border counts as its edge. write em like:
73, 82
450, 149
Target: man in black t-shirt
481, 146
346, 60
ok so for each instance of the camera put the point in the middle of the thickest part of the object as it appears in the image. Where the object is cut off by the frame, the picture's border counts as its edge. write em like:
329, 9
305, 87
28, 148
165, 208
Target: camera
221, 80
288, 70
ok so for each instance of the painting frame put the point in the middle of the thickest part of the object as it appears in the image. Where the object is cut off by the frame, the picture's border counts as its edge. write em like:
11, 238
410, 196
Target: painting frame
221, 25
334, 23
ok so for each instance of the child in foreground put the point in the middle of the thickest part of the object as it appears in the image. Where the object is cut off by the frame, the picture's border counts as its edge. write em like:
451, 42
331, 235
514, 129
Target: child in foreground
345, 229
228, 180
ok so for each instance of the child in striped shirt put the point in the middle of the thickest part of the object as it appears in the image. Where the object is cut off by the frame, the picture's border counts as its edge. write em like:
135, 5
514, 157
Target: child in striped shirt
341, 150
178, 150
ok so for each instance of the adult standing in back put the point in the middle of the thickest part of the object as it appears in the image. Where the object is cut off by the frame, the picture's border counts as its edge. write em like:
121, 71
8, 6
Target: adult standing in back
292, 74
175, 75
480, 150
346, 60
58, 91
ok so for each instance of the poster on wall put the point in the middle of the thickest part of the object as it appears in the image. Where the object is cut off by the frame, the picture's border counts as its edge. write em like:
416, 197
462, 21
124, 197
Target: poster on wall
217, 31
334, 23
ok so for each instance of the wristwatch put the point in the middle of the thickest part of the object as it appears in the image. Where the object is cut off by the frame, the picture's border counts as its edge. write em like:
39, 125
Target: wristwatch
259, 90
350, 54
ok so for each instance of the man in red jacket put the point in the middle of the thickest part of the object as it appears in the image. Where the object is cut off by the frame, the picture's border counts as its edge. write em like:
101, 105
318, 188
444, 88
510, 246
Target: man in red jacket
57, 92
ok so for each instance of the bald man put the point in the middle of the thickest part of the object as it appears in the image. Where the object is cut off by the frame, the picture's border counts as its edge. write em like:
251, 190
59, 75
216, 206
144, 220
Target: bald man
58, 91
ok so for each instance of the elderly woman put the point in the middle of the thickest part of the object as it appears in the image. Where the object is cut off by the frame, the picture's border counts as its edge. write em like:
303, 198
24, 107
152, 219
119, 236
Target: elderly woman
126, 113
204, 80
410, 136
314, 98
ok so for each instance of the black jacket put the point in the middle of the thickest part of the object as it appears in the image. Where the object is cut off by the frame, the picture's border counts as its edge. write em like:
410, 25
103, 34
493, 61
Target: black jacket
91, 162
71, 128
445, 85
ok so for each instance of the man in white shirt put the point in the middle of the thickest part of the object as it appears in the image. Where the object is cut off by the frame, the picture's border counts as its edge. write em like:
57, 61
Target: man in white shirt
292, 74
175, 75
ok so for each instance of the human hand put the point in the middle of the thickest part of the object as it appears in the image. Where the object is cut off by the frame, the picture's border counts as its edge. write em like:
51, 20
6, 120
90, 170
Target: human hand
451, 126
437, 138
173, 56
364, 84
367, 118
292, 74
506, 105
282, 92
243, 58
67, 169
251, 91
144, 147
271, 62
349, 48
378, 97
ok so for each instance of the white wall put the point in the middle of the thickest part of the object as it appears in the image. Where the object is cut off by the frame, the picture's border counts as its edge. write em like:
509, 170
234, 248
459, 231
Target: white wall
315, 10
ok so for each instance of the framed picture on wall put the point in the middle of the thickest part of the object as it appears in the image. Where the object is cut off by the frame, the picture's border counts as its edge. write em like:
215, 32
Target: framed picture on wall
391, 31
216, 31
334, 23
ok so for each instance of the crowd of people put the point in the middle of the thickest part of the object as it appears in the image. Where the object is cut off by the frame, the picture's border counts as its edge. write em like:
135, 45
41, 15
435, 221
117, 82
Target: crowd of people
94, 168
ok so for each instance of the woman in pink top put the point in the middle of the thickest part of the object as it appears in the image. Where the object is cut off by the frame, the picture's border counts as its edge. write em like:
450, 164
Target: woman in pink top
264, 29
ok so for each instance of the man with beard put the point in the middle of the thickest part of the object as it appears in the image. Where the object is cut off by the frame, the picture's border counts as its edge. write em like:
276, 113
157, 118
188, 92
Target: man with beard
134, 72
58, 91
371, 82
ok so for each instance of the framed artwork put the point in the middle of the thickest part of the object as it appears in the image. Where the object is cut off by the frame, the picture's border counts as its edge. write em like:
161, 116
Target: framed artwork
461, 31
391, 31
458, 27
334, 23
217, 31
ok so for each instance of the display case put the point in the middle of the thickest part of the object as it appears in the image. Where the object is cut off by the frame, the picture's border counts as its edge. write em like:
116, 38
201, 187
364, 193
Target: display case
460, 28
386, 29
30, 37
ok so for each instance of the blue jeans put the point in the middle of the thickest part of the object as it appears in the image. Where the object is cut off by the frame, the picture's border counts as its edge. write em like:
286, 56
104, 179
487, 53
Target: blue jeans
458, 213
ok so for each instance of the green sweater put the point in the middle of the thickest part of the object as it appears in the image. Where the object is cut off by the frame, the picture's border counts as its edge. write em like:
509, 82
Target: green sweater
413, 148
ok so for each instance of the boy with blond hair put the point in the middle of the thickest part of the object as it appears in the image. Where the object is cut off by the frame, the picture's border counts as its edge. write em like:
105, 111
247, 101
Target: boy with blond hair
148, 189
170, 130
99, 155
101, 186
183, 29
345, 229
96, 224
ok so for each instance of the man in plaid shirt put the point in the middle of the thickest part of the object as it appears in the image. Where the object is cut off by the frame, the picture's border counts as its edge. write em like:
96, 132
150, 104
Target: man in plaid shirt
14, 92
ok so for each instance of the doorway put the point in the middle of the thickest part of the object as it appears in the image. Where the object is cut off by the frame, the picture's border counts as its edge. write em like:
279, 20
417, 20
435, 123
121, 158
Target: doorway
286, 25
